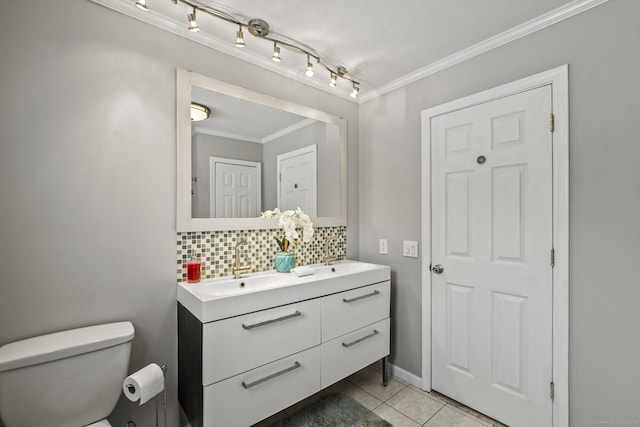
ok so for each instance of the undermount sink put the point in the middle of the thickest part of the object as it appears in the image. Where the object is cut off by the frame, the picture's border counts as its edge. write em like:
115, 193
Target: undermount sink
215, 299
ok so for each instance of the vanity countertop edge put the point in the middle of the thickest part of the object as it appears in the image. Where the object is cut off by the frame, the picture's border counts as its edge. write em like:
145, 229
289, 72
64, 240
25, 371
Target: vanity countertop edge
211, 308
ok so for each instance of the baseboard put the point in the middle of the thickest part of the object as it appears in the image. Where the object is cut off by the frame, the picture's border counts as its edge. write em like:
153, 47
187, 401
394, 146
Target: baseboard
405, 376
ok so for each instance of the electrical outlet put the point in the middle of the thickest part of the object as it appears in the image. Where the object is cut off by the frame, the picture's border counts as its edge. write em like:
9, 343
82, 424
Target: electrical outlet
410, 248
384, 248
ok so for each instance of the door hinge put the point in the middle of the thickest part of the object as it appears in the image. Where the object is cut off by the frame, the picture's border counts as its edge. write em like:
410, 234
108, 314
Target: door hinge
552, 122
553, 257
551, 390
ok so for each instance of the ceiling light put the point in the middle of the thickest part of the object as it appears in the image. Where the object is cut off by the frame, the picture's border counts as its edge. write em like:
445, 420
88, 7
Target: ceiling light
260, 29
199, 112
142, 5
240, 37
333, 80
309, 71
193, 25
276, 53
355, 91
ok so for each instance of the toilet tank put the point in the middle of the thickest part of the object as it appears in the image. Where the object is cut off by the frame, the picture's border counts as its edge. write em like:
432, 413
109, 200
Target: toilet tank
68, 379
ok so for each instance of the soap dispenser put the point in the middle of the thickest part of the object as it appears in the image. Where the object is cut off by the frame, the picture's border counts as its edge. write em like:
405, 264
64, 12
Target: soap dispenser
193, 269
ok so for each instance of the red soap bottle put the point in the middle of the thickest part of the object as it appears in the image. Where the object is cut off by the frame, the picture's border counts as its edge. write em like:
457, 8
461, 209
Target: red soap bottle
193, 270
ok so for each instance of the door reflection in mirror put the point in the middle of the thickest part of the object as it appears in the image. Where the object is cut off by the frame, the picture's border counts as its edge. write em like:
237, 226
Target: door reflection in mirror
247, 158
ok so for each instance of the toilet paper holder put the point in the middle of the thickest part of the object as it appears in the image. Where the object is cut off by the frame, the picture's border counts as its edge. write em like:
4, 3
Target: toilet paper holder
132, 389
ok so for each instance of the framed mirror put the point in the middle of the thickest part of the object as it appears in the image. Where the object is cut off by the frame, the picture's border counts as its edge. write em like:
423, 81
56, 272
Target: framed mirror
253, 152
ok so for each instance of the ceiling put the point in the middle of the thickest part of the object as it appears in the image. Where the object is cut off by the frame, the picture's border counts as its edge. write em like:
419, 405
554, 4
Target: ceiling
383, 44
236, 118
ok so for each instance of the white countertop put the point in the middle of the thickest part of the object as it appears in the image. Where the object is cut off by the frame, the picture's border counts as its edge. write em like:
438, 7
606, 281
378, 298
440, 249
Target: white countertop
220, 298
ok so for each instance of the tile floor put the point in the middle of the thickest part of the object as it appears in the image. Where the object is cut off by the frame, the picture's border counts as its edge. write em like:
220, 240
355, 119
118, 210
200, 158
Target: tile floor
400, 404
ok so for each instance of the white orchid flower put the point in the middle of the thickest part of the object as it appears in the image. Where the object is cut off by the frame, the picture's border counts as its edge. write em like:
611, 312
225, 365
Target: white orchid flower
290, 221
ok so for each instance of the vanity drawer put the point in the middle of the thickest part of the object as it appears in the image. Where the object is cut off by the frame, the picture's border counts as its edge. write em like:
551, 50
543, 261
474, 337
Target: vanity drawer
349, 353
347, 311
250, 397
241, 343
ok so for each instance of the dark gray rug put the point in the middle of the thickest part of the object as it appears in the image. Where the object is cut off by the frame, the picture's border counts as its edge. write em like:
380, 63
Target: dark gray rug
334, 410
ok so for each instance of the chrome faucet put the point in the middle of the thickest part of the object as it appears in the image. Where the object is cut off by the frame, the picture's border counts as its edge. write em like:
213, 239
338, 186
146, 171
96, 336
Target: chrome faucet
239, 269
328, 259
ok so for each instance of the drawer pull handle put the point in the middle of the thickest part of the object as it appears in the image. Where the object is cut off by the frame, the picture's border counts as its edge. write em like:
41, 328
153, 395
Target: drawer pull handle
268, 322
272, 376
366, 337
372, 294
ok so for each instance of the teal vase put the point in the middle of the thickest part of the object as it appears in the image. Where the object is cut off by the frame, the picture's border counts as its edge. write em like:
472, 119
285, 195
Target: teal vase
284, 262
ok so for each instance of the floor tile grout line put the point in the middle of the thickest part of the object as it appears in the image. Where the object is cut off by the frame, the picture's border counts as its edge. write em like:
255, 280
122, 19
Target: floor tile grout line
431, 417
442, 405
388, 398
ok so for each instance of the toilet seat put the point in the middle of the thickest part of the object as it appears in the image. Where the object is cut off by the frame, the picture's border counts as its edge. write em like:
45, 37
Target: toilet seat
101, 423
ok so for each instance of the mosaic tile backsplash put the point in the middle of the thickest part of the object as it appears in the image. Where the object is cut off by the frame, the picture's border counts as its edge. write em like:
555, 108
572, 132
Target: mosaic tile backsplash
216, 249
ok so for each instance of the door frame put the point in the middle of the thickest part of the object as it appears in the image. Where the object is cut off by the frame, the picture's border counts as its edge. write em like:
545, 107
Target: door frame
213, 184
558, 78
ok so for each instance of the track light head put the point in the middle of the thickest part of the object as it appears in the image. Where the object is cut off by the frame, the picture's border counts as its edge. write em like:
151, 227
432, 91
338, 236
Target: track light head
240, 37
193, 25
142, 5
276, 53
355, 91
334, 80
309, 71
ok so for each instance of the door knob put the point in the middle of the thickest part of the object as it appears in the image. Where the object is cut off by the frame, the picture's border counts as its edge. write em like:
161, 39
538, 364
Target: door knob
438, 268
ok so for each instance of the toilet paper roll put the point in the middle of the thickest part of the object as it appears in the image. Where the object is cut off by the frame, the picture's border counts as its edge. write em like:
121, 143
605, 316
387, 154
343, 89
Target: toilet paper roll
144, 384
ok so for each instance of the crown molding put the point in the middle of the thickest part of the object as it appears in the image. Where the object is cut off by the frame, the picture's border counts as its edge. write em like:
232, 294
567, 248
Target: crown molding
277, 134
515, 33
127, 7
229, 135
289, 129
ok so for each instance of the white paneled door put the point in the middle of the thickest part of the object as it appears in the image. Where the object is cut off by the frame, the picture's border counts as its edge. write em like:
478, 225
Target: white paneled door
235, 188
298, 181
491, 252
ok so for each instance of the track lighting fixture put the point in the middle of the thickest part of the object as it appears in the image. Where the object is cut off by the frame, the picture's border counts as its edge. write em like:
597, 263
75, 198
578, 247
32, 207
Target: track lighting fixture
142, 5
309, 71
193, 25
334, 79
240, 37
276, 53
260, 29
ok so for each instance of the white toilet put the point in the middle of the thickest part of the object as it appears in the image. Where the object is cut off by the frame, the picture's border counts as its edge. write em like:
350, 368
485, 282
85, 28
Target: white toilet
65, 379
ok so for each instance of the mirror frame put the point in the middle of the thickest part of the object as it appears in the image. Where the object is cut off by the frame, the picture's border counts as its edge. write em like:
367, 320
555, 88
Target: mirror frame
184, 222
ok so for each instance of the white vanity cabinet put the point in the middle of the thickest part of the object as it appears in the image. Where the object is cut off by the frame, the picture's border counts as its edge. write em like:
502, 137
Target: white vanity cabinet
256, 339
355, 330
239, 370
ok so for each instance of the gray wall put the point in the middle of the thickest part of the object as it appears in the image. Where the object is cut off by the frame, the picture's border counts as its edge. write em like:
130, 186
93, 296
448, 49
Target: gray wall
328, 170
203, 147
88, 176
601, 48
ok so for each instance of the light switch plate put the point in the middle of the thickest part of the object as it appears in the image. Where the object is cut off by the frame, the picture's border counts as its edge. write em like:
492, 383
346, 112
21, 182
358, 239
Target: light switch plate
384, 247
410, 248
